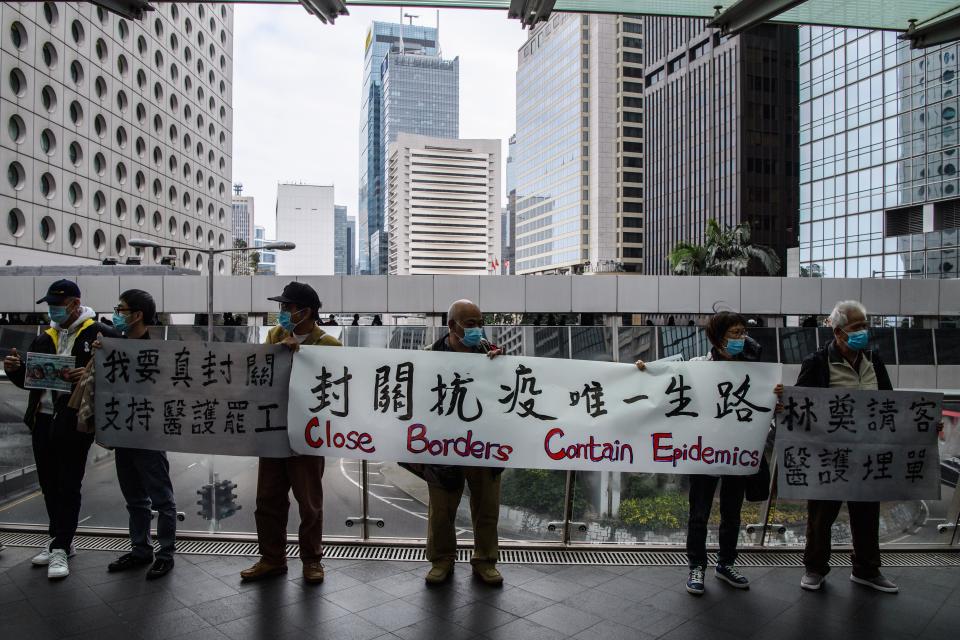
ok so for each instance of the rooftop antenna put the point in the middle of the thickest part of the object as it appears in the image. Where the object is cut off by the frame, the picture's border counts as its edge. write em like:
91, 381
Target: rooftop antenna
411, 17
238, 189
401, 29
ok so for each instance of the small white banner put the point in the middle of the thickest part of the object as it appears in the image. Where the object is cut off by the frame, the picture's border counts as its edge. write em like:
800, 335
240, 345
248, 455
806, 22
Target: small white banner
465, 409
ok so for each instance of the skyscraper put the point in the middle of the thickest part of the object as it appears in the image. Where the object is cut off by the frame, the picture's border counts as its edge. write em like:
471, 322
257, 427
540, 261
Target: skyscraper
345, 230
579, 149
443, 205
382, 37
508, 221
721, 134
243, 217
267, 265
305, 215
879, 156
115, 129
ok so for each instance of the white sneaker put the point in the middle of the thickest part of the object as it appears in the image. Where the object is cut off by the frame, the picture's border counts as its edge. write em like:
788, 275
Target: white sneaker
42, 559
58, 567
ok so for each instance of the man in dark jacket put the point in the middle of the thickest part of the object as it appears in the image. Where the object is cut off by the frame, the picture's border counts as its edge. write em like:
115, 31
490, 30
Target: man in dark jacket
59, 449
144, 474
845, 363
446, 483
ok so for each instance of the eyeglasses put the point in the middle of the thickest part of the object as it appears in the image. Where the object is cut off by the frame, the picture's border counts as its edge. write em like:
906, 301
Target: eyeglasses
122, 310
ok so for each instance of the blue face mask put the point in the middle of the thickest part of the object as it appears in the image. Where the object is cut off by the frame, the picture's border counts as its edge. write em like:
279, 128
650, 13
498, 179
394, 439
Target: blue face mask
735, 347
472, 336
59, 314
285, 320
120, 323
857, 340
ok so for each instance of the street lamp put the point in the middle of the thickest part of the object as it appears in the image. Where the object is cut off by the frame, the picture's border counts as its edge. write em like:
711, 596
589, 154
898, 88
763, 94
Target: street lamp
143, 243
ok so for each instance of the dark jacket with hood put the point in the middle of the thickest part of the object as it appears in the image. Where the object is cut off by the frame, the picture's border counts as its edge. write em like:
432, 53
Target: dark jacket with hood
86, 329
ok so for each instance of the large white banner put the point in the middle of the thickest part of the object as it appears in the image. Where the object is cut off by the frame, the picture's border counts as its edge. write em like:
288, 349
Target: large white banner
465, 409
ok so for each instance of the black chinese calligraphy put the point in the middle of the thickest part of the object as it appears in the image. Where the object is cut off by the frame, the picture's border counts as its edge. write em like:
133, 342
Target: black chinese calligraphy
921, 415
174, 412
592, 397
148, 366
795, 465
879, 468
524, 386
204, 416
798, 416
236, 412
326, 392
915, 460
841, 413
116, 366
212, 371
111, 413
260, 375
397, 397
456, 392
267, 424
677, 387
181, 368
834, 465
139, 414
743, 407
882, 414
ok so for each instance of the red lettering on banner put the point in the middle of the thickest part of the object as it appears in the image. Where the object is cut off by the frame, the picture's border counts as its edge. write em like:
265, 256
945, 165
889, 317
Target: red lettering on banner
699, 453
465, 446
590, 450
351, 440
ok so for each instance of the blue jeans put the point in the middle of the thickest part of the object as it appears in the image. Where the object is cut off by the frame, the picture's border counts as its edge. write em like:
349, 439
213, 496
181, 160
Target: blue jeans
145, 482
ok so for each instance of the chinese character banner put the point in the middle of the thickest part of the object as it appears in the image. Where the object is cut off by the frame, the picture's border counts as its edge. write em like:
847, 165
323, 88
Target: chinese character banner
194, 397
465, 409
841, 444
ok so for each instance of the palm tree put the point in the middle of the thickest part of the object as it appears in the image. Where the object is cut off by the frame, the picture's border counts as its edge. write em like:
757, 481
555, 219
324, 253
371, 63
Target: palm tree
726, 252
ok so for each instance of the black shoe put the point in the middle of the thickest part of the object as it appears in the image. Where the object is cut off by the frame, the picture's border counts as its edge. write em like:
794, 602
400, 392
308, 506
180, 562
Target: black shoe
128, 561
160, 568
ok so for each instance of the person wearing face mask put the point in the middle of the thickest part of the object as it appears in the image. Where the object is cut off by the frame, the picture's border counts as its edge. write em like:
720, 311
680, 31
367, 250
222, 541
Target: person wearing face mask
143, 474
446, 483
296, 325
59, 448
846, 362
727, 333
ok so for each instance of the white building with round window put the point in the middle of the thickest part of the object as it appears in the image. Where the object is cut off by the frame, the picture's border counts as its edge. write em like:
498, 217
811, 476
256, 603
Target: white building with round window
114, 129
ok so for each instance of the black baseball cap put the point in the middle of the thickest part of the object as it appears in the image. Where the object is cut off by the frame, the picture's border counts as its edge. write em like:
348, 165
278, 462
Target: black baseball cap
60, 291
300, 294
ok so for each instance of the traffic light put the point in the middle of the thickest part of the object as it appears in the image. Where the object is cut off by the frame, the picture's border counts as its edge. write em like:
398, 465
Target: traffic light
226, 499
206, 501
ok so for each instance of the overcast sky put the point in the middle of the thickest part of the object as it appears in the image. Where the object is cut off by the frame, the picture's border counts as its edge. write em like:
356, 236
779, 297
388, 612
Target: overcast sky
296, 93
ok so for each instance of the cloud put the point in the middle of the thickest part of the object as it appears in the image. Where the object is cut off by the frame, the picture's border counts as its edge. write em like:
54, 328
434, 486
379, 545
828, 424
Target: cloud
296, 92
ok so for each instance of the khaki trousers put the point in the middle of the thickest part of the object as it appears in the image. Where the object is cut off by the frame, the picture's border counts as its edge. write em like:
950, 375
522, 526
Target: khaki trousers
275, 478
484, 510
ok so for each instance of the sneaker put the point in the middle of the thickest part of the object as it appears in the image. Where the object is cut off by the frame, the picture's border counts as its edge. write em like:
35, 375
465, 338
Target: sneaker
878, 582
812, 581
313, 571
57, 566
128, 561
42, 559
160, 568
695, 581
729, 574
439, 573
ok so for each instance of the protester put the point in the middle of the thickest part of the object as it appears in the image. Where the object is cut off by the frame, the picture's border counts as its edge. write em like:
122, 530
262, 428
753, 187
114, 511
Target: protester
332, 321
297, 325
143, 474
727, 333
356, 320
446, 483
377, 322
846, 362
59, 448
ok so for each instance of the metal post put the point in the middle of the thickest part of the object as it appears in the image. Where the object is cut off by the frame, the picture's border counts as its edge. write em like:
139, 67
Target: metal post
365, 501
567, 507
212, 475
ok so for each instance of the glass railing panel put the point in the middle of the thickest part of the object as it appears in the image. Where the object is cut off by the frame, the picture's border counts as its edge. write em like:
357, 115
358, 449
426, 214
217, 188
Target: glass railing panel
592, 343
948, 346
915, 346
637, 343
796, 343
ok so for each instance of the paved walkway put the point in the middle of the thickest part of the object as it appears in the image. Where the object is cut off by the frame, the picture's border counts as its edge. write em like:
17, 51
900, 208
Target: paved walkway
203, 598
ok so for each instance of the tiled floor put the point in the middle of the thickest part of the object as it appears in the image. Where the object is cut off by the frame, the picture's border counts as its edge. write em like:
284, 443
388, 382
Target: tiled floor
204, 599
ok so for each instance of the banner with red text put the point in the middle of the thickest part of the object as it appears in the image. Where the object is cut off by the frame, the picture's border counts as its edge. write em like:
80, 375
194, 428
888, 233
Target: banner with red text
465, 409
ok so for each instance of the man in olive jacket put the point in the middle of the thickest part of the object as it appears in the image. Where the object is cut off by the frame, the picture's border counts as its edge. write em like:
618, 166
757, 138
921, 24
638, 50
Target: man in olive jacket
297, 325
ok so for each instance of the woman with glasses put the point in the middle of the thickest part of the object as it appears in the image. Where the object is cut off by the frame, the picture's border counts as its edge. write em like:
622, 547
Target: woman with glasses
727, 333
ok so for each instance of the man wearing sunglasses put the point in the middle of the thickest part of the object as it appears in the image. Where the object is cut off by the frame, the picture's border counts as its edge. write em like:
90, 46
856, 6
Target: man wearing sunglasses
296, 325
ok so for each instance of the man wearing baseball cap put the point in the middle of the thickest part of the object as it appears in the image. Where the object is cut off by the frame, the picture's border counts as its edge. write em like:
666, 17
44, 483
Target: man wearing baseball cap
59, 449
296, 325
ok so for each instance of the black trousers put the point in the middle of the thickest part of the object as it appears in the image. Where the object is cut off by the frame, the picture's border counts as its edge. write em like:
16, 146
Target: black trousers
144, 478
60, 452
864, 527
702, 490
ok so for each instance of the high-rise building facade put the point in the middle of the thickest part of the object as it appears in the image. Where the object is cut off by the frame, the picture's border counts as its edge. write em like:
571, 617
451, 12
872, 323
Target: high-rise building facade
345, 227
879, 191
443, 204
115, 129
721, 134
508, 222
243, 219
579, 153
305, 215
382, 37
267, 264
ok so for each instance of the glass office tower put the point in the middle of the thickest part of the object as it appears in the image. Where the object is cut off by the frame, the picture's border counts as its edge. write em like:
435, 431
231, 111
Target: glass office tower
382, 37
878, 156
